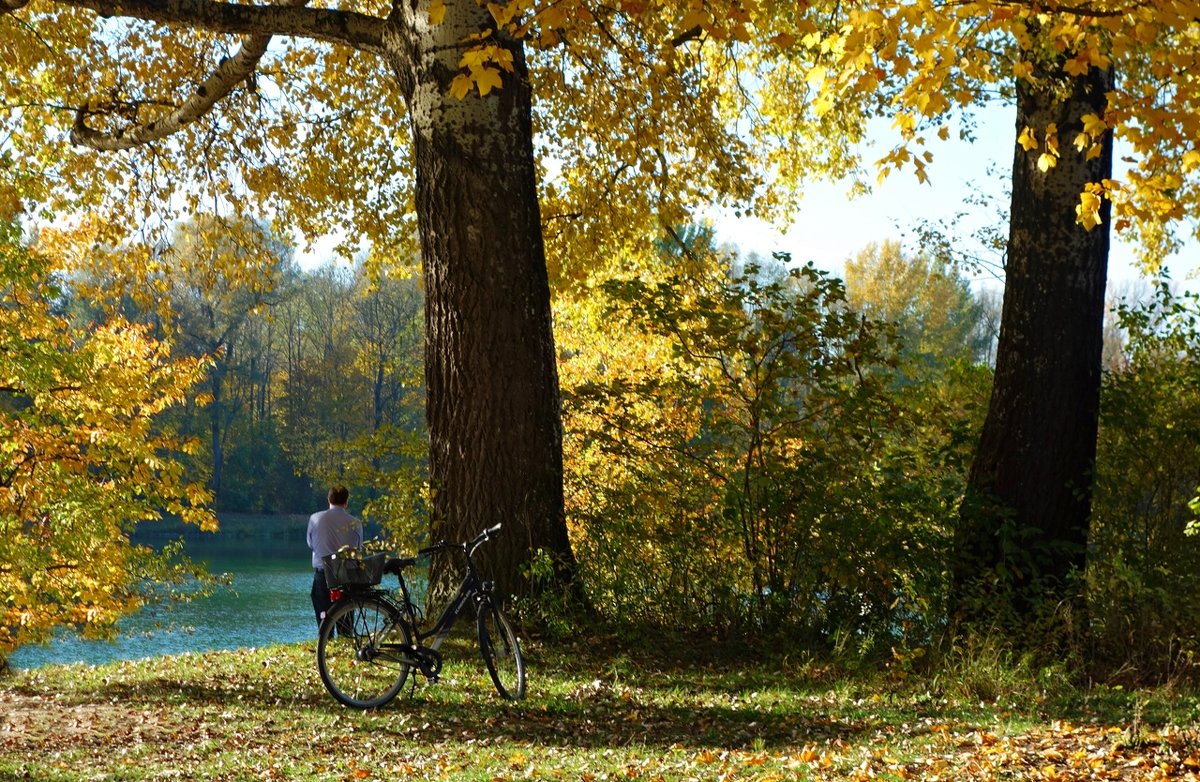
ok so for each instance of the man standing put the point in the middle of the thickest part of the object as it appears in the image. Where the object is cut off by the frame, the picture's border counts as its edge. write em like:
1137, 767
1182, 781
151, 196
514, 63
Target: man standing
328, 531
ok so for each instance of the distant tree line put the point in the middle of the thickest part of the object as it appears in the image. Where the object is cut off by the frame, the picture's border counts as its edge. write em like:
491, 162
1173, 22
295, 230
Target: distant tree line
309, 370
753, 446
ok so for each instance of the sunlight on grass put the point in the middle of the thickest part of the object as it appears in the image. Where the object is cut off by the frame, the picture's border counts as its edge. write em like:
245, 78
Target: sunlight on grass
263, 714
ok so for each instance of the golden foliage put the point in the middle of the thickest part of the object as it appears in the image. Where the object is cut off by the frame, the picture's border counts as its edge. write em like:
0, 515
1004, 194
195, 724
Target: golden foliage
647, 110
81, 461
309, 140
929, 61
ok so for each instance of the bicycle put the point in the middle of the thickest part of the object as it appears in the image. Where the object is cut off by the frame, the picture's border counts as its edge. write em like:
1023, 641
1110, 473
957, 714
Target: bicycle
369, 642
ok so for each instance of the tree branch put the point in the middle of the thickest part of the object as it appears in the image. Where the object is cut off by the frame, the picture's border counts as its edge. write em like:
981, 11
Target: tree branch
358, 31
687, 35
683, 246
231, 72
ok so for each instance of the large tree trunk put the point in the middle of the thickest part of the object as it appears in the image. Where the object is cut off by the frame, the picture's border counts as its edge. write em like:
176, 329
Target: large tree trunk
1024, 527
493, 402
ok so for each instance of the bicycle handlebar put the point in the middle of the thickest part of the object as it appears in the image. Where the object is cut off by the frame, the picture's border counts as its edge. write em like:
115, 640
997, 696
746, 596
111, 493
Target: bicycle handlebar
487, 533
396, 564
469, 546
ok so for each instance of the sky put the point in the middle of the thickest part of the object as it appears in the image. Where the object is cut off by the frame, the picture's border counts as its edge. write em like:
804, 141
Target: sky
832, 227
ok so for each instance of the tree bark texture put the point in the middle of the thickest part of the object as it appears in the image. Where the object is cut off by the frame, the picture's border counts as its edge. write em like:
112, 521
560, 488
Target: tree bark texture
493, 402
1024, 527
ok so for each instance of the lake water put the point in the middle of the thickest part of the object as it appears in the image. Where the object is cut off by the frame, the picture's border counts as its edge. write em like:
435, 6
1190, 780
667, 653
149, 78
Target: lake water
267, 603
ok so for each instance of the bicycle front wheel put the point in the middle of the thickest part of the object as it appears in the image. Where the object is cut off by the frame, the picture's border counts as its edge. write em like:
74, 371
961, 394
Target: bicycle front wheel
501, 652
361, 651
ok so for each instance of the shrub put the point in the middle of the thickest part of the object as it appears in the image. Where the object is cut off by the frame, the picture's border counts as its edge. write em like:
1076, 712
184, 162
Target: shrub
751, 465
1143, 592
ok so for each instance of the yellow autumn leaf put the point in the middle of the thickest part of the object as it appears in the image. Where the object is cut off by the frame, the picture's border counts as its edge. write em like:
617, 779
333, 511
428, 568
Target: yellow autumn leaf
1046, 161
906, 123
1023, 69
502, 57
437, 11
473, 58
1097, 58
1093, 125
554, 16
460, 86
501, 13
1078, 65
487, 80
697, 17
1028, 139
1087, 211
1191, 159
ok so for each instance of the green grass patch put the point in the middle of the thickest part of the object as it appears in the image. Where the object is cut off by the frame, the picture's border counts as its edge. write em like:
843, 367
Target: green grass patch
597, 709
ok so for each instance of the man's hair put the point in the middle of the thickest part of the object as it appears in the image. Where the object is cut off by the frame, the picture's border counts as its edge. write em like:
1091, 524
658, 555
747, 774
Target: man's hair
339, 495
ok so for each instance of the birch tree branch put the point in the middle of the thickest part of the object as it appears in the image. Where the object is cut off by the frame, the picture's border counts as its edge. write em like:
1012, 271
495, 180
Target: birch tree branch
231, 72
228, 75
359, 31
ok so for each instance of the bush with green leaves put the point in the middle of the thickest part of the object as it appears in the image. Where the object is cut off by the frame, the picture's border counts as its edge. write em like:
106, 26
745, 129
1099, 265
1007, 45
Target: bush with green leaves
761, 470
1144, 594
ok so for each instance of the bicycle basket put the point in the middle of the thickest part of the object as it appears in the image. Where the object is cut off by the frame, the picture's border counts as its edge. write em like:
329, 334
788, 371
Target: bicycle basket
352, 568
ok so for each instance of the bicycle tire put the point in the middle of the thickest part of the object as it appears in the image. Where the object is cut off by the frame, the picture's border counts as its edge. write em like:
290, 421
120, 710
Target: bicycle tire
501, 652
353, 667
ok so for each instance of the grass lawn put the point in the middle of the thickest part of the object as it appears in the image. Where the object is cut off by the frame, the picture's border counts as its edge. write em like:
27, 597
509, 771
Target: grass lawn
596, 710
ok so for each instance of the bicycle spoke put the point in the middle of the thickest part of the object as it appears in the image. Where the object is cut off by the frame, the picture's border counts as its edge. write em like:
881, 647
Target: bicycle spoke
501, 652
351, 654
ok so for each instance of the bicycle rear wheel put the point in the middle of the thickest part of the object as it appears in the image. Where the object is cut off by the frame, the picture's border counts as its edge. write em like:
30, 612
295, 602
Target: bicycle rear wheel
361, 650
501, 652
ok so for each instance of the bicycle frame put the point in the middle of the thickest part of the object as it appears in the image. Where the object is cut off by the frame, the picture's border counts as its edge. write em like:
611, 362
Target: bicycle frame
470, 589
426, 656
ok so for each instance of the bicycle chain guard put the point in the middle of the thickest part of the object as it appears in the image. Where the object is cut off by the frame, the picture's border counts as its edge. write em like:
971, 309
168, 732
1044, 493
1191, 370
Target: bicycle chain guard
429, 661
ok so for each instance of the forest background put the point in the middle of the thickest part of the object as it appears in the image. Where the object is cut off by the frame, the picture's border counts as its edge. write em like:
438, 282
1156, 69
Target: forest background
307, 375
744, 447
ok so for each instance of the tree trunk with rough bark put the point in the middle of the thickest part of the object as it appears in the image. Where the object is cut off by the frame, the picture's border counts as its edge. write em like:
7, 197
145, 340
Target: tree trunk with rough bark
1024, 527
493, 402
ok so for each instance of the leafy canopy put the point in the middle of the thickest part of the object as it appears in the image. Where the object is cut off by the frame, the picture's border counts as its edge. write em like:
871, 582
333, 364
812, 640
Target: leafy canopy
930, 61
81, 459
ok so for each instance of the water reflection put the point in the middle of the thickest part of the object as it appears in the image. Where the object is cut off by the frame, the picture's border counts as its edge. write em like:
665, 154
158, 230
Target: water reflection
267, 603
